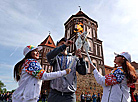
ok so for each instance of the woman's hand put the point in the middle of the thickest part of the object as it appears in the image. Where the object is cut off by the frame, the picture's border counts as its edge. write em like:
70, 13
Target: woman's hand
68, 70
78, 53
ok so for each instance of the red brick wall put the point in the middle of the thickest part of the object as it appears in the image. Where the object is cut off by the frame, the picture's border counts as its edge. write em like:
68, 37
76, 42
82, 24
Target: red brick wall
87, 83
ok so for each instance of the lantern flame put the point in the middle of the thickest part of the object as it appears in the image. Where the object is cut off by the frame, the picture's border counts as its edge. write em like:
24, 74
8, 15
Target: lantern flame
79, 28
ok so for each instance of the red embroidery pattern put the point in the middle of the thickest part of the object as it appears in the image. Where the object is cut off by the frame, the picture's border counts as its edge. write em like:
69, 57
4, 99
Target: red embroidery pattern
110, 79
115, 77
33, 68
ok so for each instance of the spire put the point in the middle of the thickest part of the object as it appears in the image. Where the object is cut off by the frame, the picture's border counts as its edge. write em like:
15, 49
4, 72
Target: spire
79, 7
49, 32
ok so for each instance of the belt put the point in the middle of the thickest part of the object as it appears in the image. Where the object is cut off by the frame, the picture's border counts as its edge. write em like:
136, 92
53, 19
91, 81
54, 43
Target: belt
61, 93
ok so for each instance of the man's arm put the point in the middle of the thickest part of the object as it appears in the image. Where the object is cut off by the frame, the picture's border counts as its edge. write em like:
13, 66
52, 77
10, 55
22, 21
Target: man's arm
52, 54
81, 67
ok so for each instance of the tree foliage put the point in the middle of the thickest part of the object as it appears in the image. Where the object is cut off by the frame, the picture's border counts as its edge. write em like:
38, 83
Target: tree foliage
1, 86
4, 90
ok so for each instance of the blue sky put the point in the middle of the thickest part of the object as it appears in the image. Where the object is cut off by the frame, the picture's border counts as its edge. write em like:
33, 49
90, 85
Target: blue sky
25, 22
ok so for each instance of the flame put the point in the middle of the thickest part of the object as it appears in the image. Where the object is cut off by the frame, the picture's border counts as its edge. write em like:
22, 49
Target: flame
79, 28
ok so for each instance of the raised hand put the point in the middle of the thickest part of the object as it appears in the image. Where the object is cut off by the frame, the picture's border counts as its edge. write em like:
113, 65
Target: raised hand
68, 42
78, 53
68, 70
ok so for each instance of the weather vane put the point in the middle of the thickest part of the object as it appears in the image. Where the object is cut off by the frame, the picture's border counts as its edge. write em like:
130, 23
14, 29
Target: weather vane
79, 7
49, 32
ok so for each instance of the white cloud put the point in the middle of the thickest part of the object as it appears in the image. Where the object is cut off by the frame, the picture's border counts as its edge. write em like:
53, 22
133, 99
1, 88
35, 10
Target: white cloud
5, 66
118, 29
18, 27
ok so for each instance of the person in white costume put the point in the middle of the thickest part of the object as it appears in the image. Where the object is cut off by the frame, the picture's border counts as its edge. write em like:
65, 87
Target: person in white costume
116, 85
29, 75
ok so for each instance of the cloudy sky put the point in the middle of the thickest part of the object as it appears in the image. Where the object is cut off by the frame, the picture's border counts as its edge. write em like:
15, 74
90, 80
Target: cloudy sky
25, 22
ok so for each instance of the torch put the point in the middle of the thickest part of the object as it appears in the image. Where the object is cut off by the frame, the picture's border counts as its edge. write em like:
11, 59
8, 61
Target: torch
81, 41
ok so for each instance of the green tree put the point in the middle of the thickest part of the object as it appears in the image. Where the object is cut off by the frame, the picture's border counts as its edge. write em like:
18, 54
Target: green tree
1, 86
13, 90
4, 90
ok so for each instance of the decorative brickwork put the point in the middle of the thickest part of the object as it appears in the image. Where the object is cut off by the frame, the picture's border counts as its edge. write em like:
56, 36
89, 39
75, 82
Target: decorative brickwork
87, 83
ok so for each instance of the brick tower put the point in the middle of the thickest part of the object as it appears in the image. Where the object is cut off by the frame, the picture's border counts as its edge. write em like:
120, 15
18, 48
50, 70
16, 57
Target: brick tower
86, 83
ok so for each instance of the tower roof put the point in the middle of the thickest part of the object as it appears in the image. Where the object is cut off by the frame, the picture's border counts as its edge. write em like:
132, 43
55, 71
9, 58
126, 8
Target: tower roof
48, 42
79, 14
134, 64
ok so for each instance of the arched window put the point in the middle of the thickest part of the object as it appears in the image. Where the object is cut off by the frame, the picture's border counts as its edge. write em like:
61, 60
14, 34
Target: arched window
100, 70
94, 62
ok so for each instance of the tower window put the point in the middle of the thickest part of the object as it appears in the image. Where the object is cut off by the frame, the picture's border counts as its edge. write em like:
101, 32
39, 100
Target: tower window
94, 64
94, 35
90, 49
87, 64
49, 42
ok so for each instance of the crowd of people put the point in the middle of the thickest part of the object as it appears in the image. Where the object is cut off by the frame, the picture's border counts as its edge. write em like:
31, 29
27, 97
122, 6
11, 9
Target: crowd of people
6, 97
87, 97
90, 98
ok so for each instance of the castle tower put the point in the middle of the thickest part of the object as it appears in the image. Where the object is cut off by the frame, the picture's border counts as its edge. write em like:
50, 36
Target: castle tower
95, 45
86, 83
